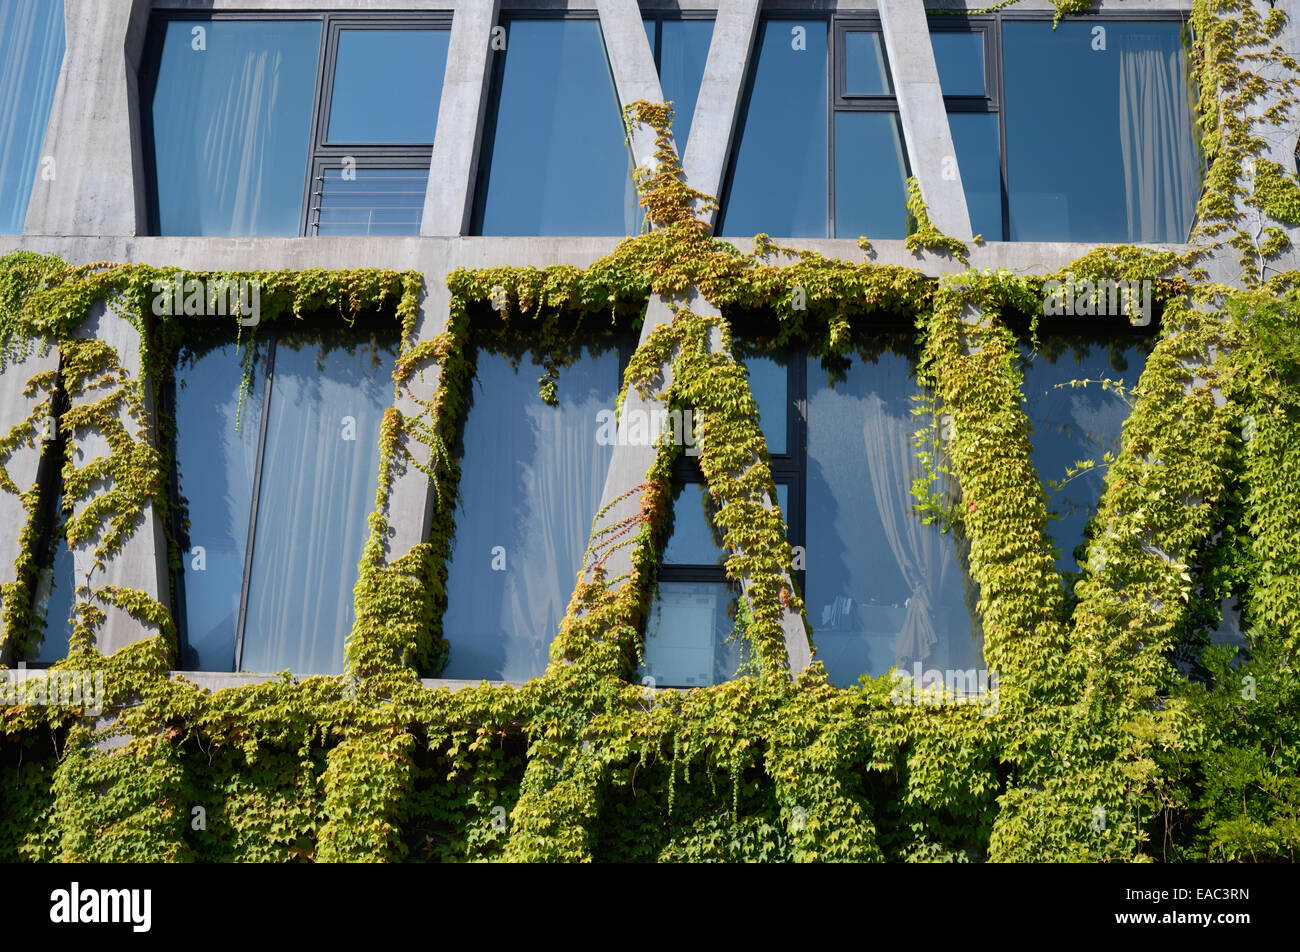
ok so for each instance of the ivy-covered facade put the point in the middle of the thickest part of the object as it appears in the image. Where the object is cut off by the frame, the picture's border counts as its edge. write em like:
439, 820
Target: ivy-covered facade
1120, 731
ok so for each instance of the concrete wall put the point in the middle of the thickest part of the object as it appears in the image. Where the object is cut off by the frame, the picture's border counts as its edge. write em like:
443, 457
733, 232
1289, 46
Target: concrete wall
94, 208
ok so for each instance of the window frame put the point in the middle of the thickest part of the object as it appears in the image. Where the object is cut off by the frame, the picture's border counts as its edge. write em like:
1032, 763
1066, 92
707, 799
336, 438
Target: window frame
994, 98
318, 150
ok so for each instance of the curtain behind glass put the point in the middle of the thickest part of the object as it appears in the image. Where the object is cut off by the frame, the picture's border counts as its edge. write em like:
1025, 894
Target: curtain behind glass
31, 53
530, 485
232, 126
319, 472
1161, 167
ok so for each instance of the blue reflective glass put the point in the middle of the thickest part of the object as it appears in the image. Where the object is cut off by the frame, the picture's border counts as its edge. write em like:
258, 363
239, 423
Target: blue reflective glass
883, 589
530, 484
320, 470
31, 54
866, 72
1124, 167
557, 164
216, 461
372, 201
387, 85
870, 175
55, 598
689, 639
778, 176
975, 137
684, 49
769, 382
696, 538
231, 120
1074, 397
960, 58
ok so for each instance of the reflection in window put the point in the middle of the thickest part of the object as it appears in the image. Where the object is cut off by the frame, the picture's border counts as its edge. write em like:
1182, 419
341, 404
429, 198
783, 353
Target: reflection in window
1125, 168
975, 139
769, 383
31, 54
870, 175
882, 588
681, 48
387, 86
691, 635
778, 177
365, 201
960, 59
865, 71
56, 588
530, 485
1077, 414
313, 471
231, 124
555, 161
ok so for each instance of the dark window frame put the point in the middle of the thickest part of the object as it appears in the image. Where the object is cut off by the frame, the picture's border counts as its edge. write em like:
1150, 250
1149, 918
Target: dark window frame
318, 150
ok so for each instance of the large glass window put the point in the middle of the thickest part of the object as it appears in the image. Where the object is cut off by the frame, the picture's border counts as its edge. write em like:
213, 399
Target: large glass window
794, 174
554, 159
31, 54
883, 589
54, 598
530, 485
276, 486
238, 147
681, 50
1077, 397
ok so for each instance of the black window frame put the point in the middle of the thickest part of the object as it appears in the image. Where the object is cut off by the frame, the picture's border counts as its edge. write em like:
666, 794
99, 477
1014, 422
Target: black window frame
320, 153
994, 99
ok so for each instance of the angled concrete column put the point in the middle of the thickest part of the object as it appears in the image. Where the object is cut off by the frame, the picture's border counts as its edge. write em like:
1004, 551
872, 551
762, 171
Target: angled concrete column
449, 199
411, 496
633, 65
628, 469
718, 105
141, 563
22, 463
930, 150
95, 182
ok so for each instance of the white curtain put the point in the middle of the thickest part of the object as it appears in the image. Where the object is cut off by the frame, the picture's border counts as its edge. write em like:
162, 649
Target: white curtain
31, 52
923, 554
1161, 167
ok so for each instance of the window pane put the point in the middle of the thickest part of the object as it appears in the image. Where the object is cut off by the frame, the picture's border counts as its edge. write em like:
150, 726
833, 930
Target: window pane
975, 137
778, 177
1076, 417
769, 382
216, 464
558, 162
372, 202
31, 54
866, 73
882, 588
1125, 167
319, 474
232, 126
870, 176
685, 49
687, 634
387, 85
55, 596
960, 58
696, 539
530, 485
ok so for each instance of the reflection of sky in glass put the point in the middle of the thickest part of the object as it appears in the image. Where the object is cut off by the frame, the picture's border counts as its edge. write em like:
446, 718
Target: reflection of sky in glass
31, 53
687, 634
387, 85
530, 485
882, 589
1077, 423
769, 383
55, 597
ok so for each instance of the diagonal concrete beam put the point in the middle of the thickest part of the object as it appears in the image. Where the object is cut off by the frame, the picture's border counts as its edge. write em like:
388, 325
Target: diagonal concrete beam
449, 198
633, 64
930, 151
718, 105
